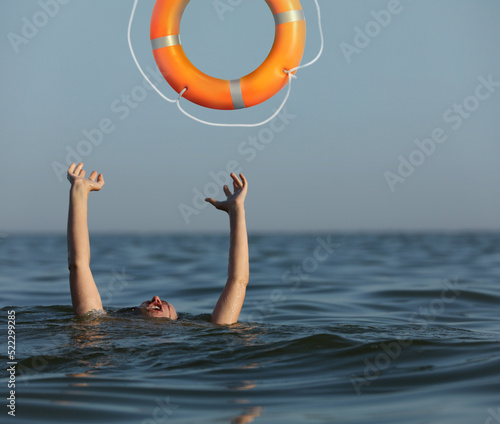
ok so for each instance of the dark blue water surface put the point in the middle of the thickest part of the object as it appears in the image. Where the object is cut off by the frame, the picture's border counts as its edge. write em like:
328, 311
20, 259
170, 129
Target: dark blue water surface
340, 328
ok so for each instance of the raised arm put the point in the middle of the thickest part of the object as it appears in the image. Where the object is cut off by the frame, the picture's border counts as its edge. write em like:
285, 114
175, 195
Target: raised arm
84, 294
228, 308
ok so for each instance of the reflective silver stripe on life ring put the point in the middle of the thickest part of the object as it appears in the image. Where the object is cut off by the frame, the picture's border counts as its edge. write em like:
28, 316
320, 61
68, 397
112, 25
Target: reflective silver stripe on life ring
236, 94
291, 16
168, 41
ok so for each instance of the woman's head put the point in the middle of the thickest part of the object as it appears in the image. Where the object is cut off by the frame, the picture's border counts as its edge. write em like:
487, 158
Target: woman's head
157, 308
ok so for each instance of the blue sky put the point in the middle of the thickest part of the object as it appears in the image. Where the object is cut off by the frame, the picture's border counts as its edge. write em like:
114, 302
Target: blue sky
395, 128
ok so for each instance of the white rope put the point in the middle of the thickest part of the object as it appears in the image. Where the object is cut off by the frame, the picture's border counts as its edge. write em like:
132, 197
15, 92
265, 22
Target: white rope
135, 59
322, 42
289, 72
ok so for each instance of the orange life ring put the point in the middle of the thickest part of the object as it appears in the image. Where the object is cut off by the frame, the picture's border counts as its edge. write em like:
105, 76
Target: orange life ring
250, 90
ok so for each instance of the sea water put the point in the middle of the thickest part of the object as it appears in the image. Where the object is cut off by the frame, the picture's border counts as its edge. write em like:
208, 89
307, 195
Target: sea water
336, 328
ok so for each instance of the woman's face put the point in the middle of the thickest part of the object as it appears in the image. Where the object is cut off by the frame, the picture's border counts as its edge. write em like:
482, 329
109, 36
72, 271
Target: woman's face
158, 308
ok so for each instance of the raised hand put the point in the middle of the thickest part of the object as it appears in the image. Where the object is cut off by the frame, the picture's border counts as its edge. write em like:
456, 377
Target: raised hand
84, 293
76, 175
228, 307
234, 200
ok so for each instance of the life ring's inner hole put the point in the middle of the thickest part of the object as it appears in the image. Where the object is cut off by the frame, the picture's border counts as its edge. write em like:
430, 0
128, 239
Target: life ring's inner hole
227, 39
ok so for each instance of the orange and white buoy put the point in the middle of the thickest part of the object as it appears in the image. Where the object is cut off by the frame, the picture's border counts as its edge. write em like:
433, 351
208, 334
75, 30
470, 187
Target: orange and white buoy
215, 93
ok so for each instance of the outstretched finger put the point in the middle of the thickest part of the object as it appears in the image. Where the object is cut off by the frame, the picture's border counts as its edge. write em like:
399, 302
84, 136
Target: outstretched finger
79, 171
71, 168
236, 180
93, 176
244, 180
227, 192
100, 179
211, 201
